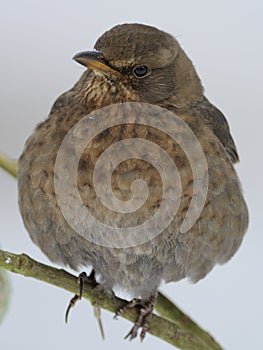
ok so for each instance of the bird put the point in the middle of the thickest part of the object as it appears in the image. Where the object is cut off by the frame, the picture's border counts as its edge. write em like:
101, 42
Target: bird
144, 70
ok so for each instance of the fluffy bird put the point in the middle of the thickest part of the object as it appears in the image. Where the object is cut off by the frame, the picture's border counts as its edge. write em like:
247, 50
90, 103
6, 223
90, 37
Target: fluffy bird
134, 63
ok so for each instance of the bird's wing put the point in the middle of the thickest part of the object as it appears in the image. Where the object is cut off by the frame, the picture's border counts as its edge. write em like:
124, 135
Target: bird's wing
61, 101
69, 98
218, 123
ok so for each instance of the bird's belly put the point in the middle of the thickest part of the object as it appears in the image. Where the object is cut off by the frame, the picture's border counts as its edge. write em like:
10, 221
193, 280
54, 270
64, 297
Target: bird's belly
143, 259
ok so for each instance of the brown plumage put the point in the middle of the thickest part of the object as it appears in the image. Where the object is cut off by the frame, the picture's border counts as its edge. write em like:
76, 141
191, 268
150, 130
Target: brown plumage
135, 63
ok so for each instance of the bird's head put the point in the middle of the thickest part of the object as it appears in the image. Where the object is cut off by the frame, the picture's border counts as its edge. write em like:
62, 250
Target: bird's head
147, 61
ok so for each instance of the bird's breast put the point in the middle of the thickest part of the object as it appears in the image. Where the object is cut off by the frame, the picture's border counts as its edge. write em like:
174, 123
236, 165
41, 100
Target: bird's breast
121, 178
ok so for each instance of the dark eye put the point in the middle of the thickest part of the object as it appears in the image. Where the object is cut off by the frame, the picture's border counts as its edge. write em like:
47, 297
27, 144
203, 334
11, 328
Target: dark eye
140, 71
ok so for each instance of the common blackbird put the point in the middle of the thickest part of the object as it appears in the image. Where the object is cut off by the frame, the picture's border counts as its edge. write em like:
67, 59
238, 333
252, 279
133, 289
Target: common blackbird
140, 93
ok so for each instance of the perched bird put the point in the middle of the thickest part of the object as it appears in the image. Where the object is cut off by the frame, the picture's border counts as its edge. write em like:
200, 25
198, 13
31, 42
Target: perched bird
134, 63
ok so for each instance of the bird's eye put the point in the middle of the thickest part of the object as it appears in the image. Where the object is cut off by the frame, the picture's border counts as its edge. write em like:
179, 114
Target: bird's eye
140, 71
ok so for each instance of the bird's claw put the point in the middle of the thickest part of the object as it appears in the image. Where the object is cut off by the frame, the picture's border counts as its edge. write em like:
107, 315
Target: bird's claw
82, 278
145, 309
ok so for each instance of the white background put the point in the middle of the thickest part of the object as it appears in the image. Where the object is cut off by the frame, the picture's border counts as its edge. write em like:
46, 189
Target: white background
224, 40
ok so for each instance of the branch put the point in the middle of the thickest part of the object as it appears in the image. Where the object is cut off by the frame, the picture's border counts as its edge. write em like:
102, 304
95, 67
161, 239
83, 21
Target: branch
9, 165
180, 331
5, 292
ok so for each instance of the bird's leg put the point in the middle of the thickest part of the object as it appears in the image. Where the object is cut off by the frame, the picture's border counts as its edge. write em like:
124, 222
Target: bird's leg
145, 309
82, 278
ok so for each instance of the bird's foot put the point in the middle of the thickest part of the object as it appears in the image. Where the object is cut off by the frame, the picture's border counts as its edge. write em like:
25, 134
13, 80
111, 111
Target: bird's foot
82, 278
145, 310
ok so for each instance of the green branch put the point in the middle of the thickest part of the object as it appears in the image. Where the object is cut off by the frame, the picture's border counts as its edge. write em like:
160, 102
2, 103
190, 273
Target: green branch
181, 331
9, 165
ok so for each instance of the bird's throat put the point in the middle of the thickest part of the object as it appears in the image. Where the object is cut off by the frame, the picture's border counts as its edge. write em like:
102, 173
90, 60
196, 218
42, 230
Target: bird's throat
102, 91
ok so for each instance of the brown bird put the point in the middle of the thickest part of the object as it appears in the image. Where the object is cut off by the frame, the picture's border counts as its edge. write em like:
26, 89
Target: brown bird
147, 69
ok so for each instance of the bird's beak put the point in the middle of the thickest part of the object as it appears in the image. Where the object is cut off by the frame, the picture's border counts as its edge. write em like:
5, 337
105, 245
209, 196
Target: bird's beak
94, 60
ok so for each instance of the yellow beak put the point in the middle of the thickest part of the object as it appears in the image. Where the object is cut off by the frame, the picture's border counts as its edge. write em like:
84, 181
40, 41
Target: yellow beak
94, 60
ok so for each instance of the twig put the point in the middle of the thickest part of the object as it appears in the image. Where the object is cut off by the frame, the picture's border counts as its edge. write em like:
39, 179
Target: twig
183, 333
8, 164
